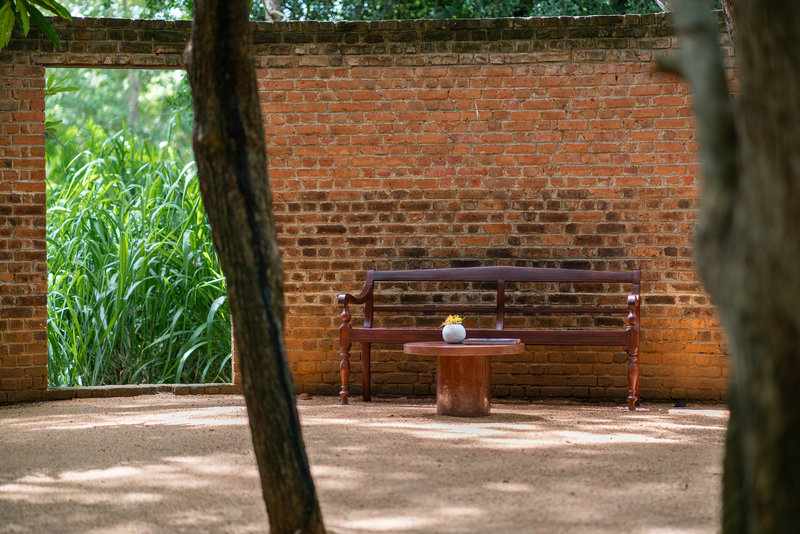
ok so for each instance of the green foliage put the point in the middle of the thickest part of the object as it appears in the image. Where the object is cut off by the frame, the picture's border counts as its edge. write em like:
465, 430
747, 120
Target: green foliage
592, 7
136, 294
54, 87
102, 95
438, 9
390, 9
318, 10
147, 9
25, 11
130, 9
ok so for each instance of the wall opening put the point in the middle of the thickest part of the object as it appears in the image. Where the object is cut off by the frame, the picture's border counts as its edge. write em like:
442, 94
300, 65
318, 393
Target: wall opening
135, 291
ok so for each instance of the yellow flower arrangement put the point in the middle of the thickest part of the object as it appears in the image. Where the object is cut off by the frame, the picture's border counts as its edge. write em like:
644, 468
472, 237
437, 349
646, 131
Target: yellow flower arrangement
452, 319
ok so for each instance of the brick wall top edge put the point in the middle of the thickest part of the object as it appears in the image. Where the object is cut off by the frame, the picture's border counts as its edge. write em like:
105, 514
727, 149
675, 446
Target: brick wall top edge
382, 25
85, 38
297, 32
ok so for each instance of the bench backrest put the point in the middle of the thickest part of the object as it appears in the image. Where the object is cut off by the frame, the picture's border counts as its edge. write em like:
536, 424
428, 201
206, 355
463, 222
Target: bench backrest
499, 275
506, 274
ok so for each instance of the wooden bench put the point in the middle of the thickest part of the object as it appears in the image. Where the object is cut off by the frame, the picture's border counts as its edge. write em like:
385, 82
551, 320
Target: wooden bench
625, 336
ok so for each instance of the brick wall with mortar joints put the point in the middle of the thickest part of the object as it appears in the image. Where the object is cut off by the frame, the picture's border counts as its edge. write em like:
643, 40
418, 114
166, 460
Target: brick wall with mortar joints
23, 273
407, 144
417, 183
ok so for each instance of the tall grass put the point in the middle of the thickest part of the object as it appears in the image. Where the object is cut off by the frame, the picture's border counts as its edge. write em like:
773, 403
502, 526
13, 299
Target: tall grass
135, 293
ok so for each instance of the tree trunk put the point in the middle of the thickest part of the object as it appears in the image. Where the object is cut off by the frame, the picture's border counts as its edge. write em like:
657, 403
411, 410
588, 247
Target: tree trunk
231, 165
134, 88
748, 248
273, 10
664, 5
767, 315
729, 14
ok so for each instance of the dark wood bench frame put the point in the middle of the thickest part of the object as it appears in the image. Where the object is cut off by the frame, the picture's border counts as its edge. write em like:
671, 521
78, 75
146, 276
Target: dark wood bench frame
628, 338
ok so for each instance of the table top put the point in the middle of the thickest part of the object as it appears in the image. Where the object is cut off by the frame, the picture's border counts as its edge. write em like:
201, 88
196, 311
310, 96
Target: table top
440, 348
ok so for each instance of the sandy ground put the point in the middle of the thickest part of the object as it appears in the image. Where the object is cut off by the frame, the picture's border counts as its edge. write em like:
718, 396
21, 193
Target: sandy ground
165, 464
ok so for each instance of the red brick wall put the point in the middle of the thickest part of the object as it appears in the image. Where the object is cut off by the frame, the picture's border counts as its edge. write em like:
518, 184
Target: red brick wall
23, 274
417, 144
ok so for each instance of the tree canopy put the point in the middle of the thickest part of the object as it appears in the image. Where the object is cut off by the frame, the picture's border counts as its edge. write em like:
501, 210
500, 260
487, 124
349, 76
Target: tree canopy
373, 9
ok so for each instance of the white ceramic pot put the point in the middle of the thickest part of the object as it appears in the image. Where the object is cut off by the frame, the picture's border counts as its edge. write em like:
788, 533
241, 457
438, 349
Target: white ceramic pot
453, 333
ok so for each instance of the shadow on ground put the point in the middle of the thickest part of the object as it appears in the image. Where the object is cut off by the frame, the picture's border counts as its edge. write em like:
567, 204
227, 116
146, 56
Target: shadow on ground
166, 463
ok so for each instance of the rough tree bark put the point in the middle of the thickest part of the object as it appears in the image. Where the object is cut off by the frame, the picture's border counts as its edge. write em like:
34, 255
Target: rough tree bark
748, 247
232, 171
729, 13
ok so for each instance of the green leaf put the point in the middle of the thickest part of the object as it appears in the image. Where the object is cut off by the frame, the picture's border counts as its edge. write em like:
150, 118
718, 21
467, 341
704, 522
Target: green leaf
44, 25
169, 311
54, 7
6, 24
54, 87
22, 9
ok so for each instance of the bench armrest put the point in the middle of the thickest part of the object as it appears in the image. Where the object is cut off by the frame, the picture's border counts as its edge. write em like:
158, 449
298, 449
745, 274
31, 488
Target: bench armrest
346, 299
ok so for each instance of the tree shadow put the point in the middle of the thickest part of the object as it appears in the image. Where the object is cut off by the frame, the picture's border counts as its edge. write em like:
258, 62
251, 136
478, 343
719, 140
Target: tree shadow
185, 464
524, 468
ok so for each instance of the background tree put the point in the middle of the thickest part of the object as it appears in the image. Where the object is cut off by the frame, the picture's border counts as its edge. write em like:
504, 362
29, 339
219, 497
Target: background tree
231, 160
381, 9
162, 103
748, 246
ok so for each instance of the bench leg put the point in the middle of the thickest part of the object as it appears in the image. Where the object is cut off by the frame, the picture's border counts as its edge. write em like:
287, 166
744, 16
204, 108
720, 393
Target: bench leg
344, 354
344, 373
344, 363
633, 378
365, 376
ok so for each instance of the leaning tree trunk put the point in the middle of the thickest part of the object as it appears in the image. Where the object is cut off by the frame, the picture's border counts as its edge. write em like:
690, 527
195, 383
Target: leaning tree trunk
748, 247
232, 170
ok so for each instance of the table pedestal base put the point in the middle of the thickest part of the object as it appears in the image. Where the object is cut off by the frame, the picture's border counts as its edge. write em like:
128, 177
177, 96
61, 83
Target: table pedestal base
463, 385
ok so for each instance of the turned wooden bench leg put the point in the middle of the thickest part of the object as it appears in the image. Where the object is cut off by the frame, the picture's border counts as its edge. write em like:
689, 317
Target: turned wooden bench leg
632, 349
344, 372
365, 377
344, 354
633, 378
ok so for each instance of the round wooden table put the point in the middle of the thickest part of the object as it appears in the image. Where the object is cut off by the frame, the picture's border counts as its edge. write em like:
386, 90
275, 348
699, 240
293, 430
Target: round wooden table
463, 374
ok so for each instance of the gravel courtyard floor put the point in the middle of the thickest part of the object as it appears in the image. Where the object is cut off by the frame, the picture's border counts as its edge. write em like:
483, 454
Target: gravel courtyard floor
167, 463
